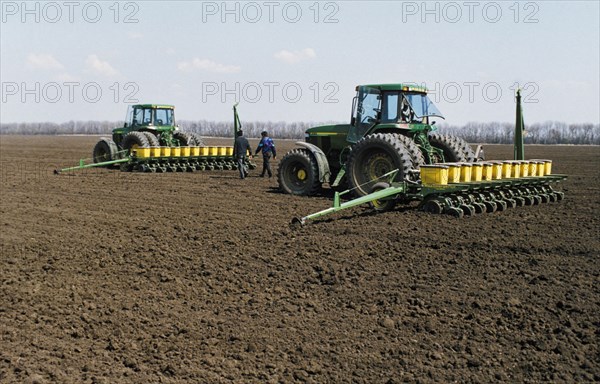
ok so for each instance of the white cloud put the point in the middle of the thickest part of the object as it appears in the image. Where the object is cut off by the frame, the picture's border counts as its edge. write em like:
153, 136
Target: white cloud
100, 67
292, 57
207, 65
43, 61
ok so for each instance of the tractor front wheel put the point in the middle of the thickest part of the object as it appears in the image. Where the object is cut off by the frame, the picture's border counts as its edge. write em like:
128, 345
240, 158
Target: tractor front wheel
298, 173
372, 157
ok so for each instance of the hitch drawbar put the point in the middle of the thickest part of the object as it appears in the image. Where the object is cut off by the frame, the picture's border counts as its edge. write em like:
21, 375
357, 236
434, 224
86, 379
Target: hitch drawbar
458, 190
384, 193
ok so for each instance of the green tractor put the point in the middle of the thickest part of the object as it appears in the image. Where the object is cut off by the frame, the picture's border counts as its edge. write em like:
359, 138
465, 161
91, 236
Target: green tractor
390, 129
146, 125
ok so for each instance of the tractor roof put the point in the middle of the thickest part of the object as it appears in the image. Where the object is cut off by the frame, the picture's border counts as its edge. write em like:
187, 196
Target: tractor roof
398, 87
162, 106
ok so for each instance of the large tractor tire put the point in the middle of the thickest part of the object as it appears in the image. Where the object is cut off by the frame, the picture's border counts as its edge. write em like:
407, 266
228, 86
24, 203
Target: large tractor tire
134, 140
298, 173
468, 151
152, 139
454, 148
372, 157
413, 150
198, 141
185, 139
105, 150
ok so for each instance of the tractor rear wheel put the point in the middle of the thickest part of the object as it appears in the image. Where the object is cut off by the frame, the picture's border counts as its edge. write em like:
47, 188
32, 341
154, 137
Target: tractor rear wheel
455, 149
468, 151
134, 140
372, 157
413, 150
185, 139
298, 173
105, 150
152, 139
198, 141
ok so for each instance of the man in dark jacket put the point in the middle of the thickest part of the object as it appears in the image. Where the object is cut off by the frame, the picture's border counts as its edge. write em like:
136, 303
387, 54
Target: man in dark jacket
241, 147
267, 147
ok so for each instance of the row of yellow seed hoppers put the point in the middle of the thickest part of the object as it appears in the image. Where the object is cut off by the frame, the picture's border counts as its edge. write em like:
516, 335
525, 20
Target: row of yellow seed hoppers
181, 159
451, 173
158, 152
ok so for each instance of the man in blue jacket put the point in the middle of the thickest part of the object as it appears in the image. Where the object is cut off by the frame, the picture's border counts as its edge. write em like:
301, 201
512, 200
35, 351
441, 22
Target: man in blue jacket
267, 147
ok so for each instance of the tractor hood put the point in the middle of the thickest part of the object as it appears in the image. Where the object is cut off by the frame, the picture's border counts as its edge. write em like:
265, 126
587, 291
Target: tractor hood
328, 130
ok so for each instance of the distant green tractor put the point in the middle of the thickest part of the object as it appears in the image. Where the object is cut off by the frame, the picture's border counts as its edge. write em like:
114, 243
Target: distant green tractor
390, 129
146, 125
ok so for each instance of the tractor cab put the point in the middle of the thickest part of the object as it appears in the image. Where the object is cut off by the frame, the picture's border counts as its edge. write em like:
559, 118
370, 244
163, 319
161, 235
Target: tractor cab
154, 118
390, 107
150, 116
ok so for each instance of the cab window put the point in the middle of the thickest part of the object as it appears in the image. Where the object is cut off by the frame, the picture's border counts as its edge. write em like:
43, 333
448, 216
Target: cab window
163, 117
390, 108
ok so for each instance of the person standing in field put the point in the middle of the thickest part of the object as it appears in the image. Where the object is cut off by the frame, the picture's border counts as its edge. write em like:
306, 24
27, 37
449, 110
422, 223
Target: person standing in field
241, 147
267, 147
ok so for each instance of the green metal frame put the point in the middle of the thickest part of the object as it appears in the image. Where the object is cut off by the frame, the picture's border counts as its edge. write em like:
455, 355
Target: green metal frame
83, 165
519, 129
396, 189
459, 198
163, 164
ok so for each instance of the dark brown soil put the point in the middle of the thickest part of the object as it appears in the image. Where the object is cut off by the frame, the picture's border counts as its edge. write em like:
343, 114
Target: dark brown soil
111, 277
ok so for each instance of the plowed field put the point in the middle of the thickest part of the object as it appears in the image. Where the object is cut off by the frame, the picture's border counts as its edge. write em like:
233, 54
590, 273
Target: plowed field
110, 277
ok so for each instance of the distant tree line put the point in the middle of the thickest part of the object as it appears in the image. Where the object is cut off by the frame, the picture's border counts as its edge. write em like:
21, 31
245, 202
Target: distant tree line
277, 129
550, 132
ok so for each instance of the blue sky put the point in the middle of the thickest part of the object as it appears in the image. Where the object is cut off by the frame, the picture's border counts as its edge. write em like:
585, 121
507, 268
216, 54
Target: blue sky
297, 61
